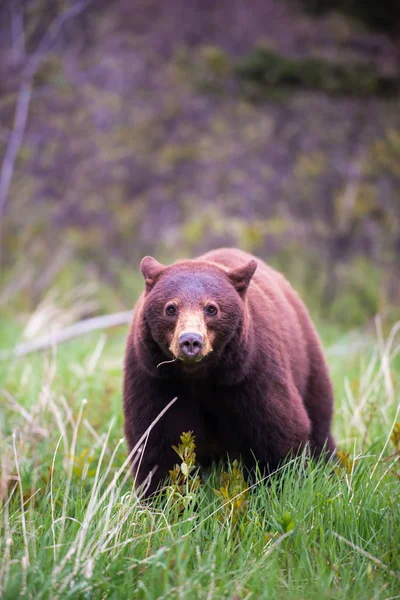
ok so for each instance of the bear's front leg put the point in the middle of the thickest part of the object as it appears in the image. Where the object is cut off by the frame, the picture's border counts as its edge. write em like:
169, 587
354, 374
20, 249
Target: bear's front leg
274, 424
152, 469
152, 437
145, 398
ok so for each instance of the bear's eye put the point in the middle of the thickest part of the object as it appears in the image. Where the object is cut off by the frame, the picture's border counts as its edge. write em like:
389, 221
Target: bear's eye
211, 310
171, 310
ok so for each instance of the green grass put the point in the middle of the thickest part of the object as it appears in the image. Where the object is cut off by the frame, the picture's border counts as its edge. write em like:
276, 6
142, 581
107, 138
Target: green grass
71, 525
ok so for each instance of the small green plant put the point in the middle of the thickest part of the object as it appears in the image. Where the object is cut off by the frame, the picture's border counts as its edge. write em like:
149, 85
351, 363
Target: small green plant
82, 464
346, 464
233, 493
395, 437
185, 478
285, 523
282, 525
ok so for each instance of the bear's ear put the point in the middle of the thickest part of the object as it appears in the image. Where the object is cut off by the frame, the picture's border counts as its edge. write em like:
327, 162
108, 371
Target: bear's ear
151, 270
241, 276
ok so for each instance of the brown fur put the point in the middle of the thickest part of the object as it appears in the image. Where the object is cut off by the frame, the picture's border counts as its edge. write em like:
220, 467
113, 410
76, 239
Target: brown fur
262, 388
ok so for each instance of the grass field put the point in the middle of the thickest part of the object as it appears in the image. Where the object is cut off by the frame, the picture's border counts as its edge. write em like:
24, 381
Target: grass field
71, 525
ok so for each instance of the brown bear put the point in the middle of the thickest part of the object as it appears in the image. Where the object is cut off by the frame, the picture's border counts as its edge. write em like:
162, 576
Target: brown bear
229, 337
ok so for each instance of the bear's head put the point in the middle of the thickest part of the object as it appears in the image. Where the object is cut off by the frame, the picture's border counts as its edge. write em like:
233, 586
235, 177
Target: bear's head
192, 309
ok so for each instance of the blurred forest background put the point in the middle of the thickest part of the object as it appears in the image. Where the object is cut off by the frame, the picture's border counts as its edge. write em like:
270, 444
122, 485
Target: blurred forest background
140, 127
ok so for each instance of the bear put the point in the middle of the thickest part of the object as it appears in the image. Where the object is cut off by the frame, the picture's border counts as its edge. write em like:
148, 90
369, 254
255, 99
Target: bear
229, 338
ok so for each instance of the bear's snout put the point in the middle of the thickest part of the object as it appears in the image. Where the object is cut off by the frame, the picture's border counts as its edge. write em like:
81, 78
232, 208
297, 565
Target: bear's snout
190, 345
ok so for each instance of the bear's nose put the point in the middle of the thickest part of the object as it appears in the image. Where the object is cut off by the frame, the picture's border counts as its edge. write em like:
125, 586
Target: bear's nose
190, 344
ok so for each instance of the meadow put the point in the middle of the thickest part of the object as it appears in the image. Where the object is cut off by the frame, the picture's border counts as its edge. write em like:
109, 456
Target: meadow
72, 525
139, 127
